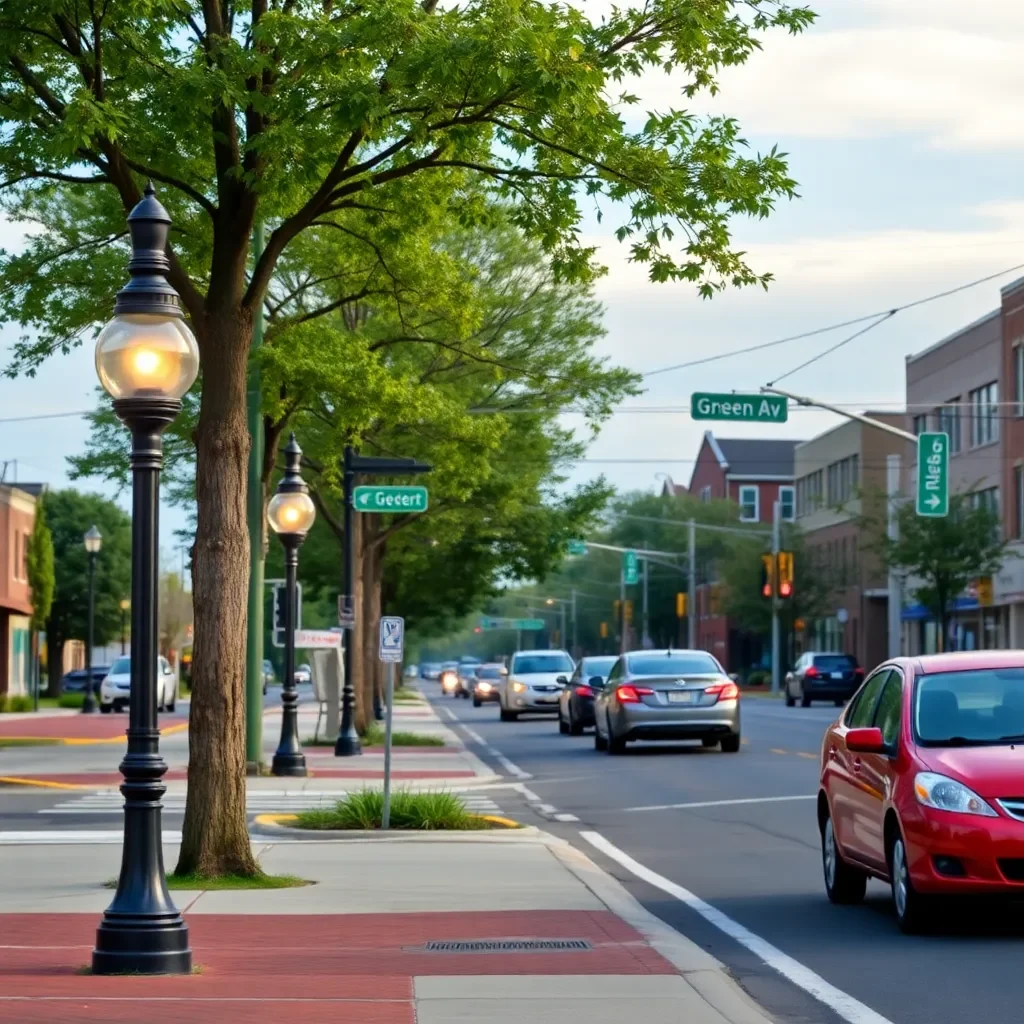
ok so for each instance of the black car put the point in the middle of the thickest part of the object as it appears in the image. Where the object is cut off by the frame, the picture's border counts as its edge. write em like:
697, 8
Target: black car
819, 675
576, 701
487, 684
74, 681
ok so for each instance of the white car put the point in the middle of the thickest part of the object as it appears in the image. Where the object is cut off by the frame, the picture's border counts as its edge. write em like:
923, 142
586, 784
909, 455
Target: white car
116, 688
303, 674
532, 683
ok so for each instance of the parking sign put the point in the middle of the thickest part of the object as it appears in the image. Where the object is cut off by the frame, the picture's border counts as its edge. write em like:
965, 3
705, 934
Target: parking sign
392, 638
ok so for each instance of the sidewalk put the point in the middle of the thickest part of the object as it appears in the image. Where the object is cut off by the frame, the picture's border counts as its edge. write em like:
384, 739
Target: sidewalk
393, 932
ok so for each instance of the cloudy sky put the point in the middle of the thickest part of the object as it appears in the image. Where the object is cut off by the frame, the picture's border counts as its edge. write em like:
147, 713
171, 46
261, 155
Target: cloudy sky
902, 121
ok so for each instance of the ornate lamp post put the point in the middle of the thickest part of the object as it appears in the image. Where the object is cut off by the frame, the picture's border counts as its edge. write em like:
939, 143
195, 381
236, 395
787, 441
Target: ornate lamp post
146, 358
93, 542
290, 513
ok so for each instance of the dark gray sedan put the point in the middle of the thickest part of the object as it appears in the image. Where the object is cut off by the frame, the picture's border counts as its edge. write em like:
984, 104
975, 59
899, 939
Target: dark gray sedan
576, 701
667, 695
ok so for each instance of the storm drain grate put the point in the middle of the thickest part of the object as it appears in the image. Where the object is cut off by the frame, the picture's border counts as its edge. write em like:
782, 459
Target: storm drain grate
508, 946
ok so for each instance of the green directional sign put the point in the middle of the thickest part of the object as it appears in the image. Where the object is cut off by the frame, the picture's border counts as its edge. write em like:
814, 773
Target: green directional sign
630, 567
577, 547
933, 474
526, 625
390, 499
739, 408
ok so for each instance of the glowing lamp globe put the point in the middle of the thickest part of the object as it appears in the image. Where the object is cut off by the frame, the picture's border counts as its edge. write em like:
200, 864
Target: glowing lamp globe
291, 512
146, 355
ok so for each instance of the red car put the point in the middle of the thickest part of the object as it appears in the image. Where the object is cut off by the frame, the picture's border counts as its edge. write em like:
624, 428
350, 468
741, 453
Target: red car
922, 783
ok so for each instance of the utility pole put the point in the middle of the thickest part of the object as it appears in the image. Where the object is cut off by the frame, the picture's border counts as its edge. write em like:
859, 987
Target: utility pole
574, 634
691, 597
254, 515
645, 635
563, 638
776, 649
622, 610
892, 489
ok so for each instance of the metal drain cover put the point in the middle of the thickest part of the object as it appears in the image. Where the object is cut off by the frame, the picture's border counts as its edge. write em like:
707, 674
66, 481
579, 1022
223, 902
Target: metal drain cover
508, 946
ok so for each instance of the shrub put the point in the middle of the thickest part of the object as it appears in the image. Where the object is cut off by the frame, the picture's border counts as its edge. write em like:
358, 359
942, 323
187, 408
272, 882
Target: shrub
71, 700
758, 678
429, 811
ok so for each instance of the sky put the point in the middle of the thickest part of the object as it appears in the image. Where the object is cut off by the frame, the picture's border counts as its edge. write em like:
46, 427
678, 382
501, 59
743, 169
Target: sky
902, 123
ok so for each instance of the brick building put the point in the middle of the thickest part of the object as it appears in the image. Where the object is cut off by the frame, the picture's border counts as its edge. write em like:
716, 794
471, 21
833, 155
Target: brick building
17, 515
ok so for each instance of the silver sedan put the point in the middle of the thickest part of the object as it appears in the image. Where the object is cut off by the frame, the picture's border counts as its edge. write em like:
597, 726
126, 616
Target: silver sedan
667, 695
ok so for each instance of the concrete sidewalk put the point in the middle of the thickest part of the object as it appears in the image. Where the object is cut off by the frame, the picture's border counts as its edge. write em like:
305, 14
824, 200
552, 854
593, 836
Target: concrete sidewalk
427, 930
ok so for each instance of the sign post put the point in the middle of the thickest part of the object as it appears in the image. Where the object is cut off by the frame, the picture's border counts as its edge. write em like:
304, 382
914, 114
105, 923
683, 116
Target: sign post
630, 568
391, 651
933, 474
739, 408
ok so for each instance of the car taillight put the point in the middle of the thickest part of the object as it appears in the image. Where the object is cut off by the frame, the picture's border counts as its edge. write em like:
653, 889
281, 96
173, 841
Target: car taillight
584, 691
724, 691
859, 672
632, 694
812, 673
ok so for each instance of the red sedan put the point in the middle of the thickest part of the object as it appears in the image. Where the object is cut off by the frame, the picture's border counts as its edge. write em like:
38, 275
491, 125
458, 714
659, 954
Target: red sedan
922, 783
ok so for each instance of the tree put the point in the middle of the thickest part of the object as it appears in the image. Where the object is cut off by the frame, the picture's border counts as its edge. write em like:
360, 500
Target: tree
39, 559
939, 556
175, 612
69, 514
312, 116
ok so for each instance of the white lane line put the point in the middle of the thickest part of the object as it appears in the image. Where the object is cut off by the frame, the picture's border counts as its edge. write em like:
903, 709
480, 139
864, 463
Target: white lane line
512, 769
844, 1005
723, 803
75, 837
449, 714
528, 793
474, 736
566, 817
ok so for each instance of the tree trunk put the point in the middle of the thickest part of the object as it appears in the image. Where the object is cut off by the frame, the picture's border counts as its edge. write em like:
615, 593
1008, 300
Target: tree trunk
215, 839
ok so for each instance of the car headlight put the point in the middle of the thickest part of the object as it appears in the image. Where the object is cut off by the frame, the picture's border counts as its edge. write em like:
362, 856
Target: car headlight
946, 794
484, 687
519, 687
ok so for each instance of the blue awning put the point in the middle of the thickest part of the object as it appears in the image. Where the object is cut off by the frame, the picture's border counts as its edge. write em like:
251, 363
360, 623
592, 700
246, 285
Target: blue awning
918, 612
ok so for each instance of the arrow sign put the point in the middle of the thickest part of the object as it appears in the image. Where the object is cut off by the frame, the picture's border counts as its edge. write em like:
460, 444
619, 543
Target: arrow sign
933, 474
390, 499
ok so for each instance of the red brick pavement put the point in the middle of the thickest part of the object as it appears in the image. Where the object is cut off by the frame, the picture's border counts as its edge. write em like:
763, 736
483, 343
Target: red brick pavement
314, 968
107, 779
77, 727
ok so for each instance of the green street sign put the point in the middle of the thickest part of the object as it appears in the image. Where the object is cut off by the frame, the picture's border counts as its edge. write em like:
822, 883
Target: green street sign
489, 622
739, 408
933, 474
577, 547
630, 567
390, 499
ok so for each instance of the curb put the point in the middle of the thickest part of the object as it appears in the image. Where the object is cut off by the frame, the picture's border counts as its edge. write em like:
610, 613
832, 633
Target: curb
273, 825
280, 822
707, 976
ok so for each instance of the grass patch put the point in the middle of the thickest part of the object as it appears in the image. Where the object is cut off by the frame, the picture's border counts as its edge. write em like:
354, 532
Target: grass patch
374, 737
15, 705
416, 811
201, 882
27, 741
406, 696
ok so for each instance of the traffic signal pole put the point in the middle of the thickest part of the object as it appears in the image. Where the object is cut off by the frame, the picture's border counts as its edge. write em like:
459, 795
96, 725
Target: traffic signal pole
622, 611
895, 601
776, 630
691, 597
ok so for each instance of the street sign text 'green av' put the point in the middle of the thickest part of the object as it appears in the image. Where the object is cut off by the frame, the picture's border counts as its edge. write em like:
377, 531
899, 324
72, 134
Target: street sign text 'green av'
390, 499
739, 408
630, 567
933, 474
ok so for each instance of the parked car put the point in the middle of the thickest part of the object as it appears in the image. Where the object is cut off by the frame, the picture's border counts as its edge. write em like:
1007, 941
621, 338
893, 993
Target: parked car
921, 783
116, 688
576, 701
431, 671
667, 695
449, 677
465, 678
74, 681
818, 675
532, 682
268, 674
303, 674
487, 685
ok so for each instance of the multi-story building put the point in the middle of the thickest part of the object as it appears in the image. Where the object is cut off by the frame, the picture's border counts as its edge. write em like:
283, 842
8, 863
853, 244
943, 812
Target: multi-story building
840, 478
17, 514
954, 386
754, 473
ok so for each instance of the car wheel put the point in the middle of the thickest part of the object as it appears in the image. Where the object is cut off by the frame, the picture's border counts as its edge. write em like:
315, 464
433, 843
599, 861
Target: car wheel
508, 716
843, 883
616, 745
575, 729
563, 726
476, 702
106, 709
709, 742
805, 701
600, 743
731, 744
912, 909
789, 697
172, 701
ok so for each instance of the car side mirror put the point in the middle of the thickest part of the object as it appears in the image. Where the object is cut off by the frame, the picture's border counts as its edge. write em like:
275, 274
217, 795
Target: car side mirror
596, 683
865, 741
562, 680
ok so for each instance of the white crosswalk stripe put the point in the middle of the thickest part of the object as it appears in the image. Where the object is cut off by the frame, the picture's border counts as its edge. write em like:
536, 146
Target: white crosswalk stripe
256, 803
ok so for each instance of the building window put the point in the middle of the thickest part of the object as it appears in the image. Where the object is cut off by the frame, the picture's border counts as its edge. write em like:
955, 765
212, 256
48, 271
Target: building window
921, 424
949, 423
788, 502
984, 414
1018, 490
843, 478
705, 494
1018, 375
24, 556
988, 498
749, 510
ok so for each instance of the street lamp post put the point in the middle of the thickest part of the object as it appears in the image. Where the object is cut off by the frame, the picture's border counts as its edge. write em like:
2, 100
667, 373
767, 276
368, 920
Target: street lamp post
291, 513
93, 542
125, 605
146, 359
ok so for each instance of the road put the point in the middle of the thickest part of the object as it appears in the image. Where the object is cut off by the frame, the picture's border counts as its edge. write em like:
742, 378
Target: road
750, 849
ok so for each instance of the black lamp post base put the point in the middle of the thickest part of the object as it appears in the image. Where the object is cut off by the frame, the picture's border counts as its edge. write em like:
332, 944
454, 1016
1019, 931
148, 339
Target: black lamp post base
140, 945
88, 703
347, 745
288, 764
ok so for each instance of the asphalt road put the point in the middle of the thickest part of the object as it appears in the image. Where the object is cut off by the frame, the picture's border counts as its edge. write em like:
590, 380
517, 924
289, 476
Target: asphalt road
758, 861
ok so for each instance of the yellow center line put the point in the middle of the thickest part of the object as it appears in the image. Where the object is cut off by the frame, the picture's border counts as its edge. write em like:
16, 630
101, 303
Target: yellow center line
16, 780
79, 741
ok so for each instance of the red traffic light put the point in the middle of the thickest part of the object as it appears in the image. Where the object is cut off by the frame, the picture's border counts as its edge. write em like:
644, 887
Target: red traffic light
478, 629
766, 590
785, 589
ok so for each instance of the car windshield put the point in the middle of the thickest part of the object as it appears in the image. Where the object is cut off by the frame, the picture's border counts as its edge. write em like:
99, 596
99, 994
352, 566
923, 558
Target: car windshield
121, 667
835, 662
970, 708
450, 665
597, 667
681, 664
537, 664
488, 672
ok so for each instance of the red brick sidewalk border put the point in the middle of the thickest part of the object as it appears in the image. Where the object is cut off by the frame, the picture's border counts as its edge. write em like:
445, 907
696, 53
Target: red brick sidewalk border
104, 779
77, 727
316, 968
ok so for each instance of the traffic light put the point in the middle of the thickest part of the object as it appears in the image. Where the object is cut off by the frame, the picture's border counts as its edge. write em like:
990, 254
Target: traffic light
767, 575
616, 606
680, 606
785, 574
629, 613
604, 630
279, 610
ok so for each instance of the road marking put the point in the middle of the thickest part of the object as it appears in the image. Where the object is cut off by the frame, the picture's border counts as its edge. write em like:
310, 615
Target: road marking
72, 837
841, 1003
474, 736
17, 780
449, 714
512, 769
566, 817
528, 793
779, 750
722, 803
810, 757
